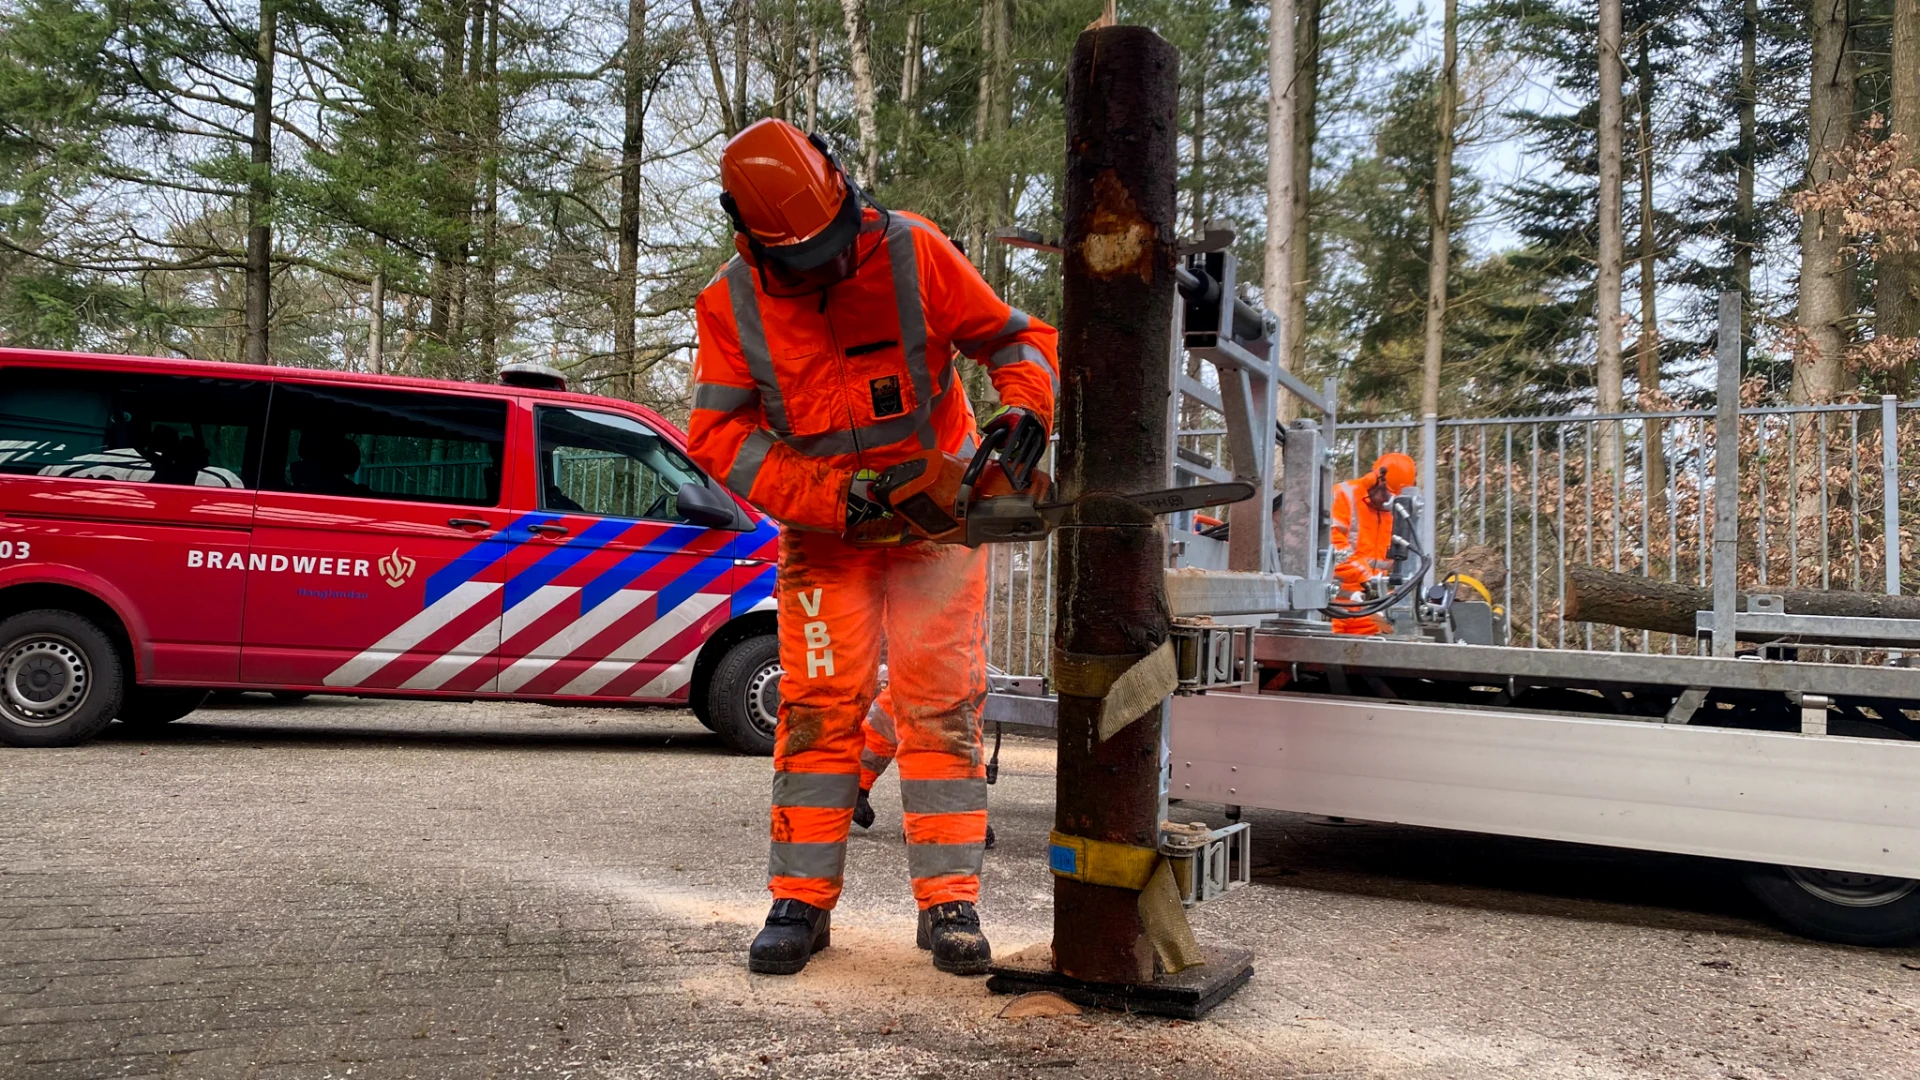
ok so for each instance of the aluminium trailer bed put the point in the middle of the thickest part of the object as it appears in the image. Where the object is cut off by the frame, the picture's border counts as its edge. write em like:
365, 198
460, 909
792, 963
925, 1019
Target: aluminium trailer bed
1692, 755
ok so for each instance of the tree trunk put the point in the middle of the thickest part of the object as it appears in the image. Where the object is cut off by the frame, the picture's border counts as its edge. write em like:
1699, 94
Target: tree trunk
1121, 202
1647, 349
742, 41
1200, 137
259, 272
860, 60
1603, 596
626, 281
1440, 214
377, 325
789, 65
813, 79
1606, 299
728, 121
489, 269
1277, 266
910, 58
1897, 290
1826, 284
1306, 128
1746, 227
448, 257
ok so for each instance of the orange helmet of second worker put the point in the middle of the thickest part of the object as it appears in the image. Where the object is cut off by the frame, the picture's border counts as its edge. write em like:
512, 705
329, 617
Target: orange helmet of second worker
1398, 469
786, 197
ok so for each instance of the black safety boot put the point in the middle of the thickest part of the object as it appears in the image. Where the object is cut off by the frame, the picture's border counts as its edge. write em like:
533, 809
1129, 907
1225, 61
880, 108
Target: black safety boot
795, 931
863, 811
952, 931
989, 844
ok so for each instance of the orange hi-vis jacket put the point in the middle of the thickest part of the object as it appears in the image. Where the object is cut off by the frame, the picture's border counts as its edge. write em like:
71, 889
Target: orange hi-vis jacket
1361, 534
793, 395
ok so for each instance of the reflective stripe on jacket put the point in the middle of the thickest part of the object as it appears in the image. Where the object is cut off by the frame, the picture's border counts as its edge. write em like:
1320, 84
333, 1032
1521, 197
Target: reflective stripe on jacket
1361, 534
792, 395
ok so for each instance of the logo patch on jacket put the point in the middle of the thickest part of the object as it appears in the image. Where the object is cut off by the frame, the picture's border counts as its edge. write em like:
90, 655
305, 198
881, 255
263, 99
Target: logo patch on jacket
886, 396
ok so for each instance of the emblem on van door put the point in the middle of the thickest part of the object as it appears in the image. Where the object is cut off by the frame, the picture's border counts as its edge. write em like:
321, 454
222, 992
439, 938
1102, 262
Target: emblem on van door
396, 568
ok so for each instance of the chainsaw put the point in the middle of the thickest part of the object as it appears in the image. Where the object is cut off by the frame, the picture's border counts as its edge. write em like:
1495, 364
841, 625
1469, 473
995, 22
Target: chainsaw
949, 500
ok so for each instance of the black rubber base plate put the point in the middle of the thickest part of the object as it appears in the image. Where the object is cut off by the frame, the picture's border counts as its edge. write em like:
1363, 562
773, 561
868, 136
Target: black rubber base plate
1188, 995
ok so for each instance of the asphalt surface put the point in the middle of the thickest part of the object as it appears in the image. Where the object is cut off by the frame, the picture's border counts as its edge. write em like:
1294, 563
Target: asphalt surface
347, 888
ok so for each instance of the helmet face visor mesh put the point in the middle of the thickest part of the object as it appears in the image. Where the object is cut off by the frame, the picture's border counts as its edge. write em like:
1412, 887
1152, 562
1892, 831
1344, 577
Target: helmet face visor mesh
822, 247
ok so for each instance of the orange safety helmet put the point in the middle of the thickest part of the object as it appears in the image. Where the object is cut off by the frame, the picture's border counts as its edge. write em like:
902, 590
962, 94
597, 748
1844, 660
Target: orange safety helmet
789, 200
1397, 470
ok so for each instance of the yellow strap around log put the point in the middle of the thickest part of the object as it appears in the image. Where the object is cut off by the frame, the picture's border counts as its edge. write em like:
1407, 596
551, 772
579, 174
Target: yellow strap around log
1141, 870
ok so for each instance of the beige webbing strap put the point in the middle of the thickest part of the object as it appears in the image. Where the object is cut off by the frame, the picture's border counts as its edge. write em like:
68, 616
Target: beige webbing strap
1142, 870
1127, 687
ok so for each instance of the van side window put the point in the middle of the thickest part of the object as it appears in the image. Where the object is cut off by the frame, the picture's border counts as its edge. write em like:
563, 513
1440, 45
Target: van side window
385, 444
144, 428
602, 463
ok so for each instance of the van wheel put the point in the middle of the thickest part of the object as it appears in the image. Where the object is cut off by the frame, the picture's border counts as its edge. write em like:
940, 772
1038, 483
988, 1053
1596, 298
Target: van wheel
1831, 905
701, 706
154, 706
744, 697
60, 679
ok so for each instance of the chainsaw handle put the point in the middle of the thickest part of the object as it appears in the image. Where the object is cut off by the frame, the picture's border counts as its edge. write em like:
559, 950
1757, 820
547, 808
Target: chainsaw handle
978, 465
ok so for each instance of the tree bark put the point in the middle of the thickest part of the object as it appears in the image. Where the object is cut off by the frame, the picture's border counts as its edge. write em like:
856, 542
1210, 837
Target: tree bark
259, 272
1826, 284
377, 325
1277, 266
1897, 290
489, 268
1603, 596
860, 60
1121, 202
1306, 129
728, 121
742, 41
632, 142
910, 58
813, 79
1746, 227
1647, 349
1606, 300
1440, 213
1200, 137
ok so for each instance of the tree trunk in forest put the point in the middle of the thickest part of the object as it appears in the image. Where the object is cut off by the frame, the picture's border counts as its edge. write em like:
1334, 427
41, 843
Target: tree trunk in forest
910, 58
1603, 596
787, 68
742, 41
813, 79
377, 325
861, 63
626, 281
489, 269
1306, 128
1647, 349
259, 272
1897, 290
1606, 296
1121, 202
1440, 213
1746, 227
449, 260
1826, 283
1277, 266
728, 121
1199, 166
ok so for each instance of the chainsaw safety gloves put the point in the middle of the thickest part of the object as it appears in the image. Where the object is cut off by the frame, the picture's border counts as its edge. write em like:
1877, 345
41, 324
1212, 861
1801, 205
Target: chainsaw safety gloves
1023, 445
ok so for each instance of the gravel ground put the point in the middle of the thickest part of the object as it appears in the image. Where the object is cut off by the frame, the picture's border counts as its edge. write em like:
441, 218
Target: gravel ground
347, 888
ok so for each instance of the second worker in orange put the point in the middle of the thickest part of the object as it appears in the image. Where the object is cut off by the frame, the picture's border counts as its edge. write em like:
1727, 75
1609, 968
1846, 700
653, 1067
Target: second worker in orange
827, 353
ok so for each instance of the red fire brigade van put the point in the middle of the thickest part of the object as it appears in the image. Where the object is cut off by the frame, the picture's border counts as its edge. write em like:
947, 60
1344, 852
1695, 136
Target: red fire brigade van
173, 527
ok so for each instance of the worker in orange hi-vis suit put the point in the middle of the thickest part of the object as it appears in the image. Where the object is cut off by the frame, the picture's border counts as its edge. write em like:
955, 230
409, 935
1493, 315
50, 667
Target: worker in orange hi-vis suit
882, 744
826, 354
1363, 531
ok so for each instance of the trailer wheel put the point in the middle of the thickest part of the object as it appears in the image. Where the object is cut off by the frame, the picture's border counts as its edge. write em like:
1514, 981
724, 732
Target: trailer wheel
149, 707
60, 679
1833, 905
744, 696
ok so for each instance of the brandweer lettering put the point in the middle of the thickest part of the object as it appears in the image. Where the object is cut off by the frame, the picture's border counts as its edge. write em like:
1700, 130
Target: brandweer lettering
332, 566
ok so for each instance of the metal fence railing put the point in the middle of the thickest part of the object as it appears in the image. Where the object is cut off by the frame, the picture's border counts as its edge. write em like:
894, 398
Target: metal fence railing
1518, 500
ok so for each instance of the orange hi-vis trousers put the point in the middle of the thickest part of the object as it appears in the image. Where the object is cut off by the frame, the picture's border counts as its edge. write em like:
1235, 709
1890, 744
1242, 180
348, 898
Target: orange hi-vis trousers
838, 604
881, 738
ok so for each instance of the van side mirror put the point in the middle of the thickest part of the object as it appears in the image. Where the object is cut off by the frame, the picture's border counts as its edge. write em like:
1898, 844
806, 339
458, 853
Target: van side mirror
702, 505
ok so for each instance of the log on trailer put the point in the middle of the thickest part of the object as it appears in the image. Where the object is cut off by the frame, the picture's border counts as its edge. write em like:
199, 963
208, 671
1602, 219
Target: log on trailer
1604, 596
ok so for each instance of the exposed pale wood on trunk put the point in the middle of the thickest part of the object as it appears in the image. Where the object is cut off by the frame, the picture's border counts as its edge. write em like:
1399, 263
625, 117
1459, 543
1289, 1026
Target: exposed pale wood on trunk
1603, 596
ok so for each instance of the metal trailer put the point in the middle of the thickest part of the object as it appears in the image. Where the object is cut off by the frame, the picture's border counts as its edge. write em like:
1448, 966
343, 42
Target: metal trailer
1807, 772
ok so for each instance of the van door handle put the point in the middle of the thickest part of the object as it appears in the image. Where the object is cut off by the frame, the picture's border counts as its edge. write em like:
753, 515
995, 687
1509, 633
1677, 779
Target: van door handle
470, 523
548, 529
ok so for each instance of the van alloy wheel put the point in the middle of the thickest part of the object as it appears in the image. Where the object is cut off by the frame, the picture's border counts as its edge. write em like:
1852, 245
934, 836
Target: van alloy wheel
763, 698
1851, 890
45, 679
